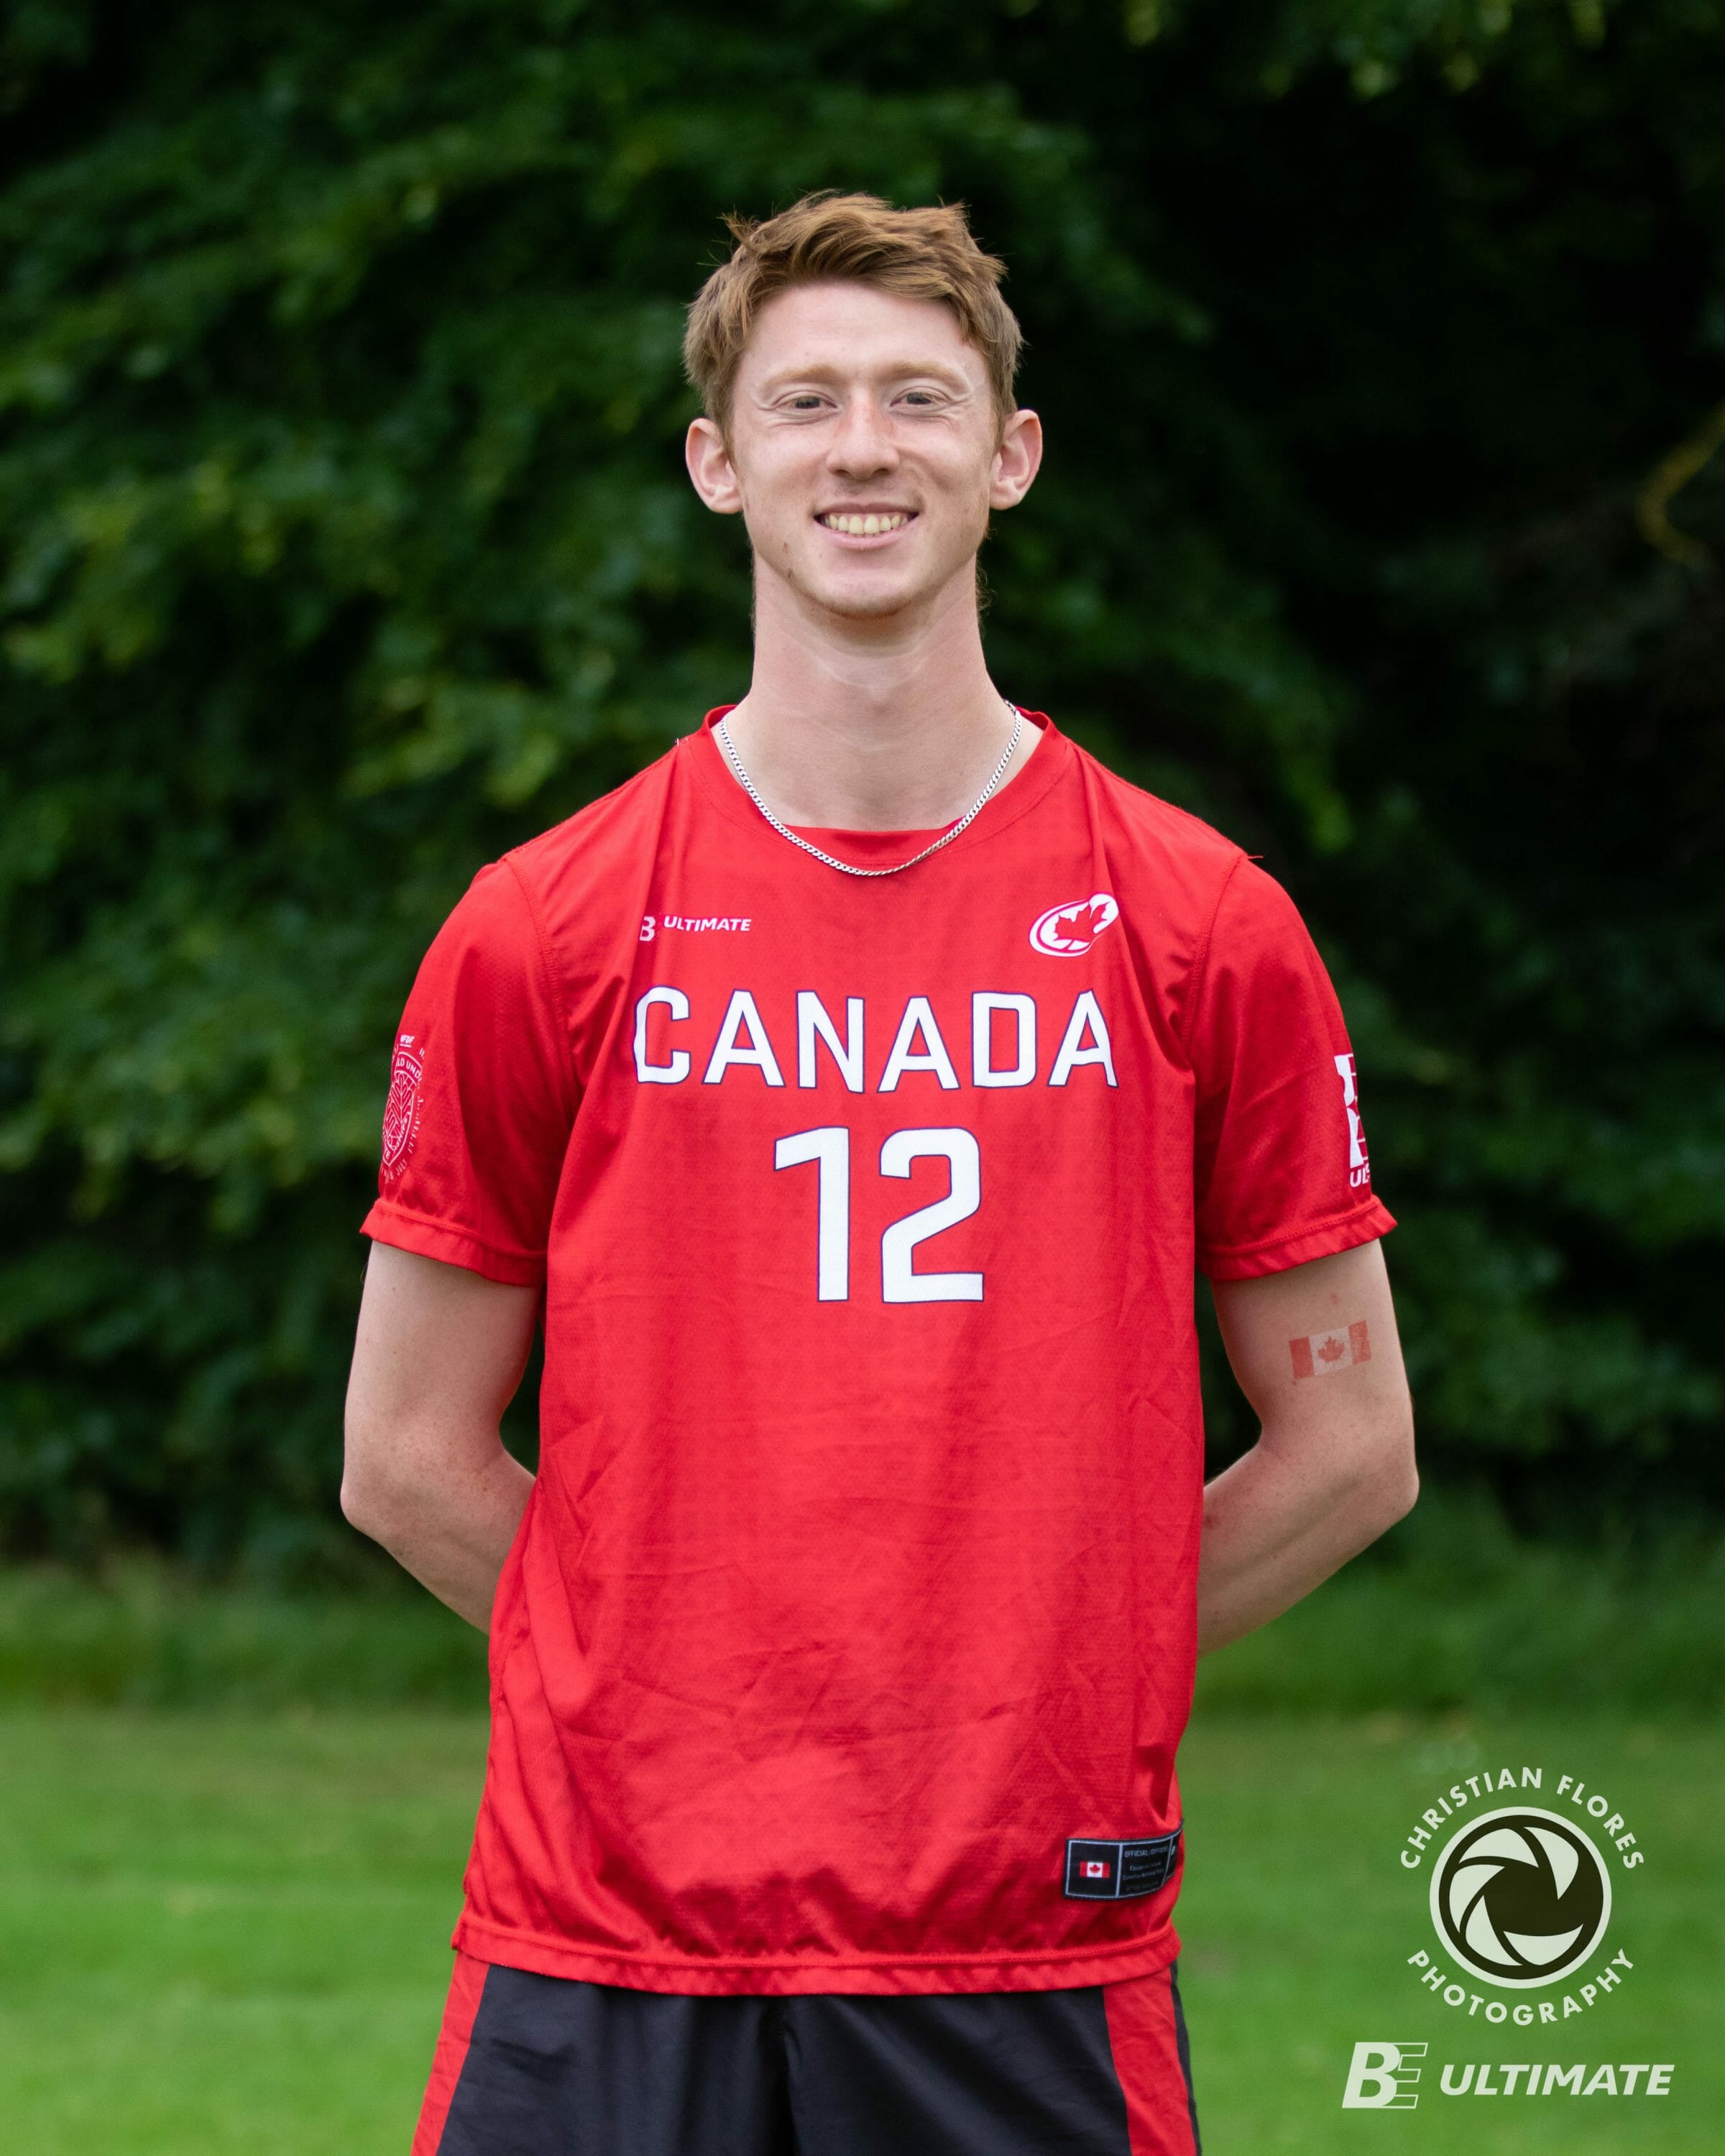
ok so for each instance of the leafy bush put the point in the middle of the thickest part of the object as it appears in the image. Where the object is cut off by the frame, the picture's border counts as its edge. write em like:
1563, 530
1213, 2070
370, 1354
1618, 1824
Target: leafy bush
344, 542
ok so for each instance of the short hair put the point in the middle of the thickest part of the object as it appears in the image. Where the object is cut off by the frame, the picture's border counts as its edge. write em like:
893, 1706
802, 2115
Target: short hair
917, 254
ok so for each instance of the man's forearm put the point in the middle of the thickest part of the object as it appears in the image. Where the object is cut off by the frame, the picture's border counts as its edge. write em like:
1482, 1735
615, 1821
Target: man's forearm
1274, 1528
452, 1533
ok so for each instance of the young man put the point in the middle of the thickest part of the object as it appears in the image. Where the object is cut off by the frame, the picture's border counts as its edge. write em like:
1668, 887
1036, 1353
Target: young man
850, 1096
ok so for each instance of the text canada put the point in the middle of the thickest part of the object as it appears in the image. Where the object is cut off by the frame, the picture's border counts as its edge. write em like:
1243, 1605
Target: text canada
1006, 1044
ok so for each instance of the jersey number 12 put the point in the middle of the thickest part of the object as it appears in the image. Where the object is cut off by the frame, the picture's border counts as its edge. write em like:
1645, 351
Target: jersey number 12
829, 1149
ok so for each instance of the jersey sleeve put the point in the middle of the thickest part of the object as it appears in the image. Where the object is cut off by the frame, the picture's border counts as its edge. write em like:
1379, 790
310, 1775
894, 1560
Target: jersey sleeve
1281, 1173
482, 1094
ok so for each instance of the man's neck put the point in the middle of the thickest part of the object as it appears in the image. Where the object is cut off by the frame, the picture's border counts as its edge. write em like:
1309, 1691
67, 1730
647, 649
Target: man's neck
875, 724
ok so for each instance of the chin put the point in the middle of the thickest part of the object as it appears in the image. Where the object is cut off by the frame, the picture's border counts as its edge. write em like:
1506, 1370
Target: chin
875, 598
853, 605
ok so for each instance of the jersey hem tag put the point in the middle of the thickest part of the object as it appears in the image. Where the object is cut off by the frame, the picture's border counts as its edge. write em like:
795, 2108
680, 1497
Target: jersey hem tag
1114, 1871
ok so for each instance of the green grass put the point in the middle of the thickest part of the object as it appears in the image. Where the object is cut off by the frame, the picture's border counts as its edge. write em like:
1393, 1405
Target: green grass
227, 1932
1453, 1613
147, 1637
1298, 1920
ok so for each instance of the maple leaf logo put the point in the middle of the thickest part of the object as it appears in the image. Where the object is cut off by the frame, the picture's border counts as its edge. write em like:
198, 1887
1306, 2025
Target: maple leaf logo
1333, 1349
1065, 931
1079, 926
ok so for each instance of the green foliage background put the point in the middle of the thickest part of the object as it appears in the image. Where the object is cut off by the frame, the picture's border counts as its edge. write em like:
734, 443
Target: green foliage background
344, 542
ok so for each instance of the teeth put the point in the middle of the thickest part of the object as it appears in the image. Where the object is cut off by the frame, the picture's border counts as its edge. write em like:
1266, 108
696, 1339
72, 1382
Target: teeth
865, 527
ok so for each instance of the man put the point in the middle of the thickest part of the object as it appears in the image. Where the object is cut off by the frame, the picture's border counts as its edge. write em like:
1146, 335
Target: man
850, 1096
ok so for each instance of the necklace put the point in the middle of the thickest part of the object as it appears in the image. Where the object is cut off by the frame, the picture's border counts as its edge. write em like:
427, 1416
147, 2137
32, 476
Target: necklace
850, 868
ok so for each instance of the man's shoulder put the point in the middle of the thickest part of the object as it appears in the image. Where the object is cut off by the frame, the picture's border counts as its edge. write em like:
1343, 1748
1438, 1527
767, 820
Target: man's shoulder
1171, 846
598, 838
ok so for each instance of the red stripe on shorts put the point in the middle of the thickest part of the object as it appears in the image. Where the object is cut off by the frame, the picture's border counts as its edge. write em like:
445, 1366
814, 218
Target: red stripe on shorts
466, 1985
1144, 2033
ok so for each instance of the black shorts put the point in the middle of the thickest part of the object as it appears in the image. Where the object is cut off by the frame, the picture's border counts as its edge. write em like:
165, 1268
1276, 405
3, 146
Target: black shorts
541, 2066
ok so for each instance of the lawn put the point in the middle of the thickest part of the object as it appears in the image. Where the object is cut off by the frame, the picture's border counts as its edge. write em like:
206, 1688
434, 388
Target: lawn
226, 1932
1298, 1920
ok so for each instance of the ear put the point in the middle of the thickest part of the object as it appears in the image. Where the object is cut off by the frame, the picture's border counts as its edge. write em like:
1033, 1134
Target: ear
1016, 461
710, 470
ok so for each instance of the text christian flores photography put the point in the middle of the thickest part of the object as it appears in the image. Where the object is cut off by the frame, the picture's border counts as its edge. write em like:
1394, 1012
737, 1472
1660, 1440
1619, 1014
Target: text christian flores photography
1521, 1869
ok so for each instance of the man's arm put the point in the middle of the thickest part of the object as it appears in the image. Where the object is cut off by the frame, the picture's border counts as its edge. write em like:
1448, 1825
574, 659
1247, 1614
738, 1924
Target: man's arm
1333, 1465
440, 1354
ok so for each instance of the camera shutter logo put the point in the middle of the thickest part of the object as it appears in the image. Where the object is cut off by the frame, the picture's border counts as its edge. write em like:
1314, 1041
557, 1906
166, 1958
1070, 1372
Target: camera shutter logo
1520, 1897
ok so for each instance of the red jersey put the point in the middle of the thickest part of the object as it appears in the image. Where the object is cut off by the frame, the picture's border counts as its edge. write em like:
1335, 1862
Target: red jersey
849, 1635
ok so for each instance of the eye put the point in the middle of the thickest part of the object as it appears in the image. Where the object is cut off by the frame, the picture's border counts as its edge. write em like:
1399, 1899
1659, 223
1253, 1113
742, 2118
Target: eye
805, 401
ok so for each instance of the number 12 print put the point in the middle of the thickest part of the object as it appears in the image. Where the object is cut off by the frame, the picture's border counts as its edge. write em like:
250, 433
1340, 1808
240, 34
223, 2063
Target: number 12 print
829, 1149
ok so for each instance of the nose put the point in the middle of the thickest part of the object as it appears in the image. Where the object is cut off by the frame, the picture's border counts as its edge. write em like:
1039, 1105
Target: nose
862, 444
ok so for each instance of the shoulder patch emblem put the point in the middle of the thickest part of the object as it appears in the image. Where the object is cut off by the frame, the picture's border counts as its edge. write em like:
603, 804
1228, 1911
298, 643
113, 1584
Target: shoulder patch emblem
1065, 932
400, 1110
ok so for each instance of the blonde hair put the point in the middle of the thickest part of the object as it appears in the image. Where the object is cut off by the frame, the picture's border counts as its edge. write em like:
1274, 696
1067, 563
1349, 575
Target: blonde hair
917, 254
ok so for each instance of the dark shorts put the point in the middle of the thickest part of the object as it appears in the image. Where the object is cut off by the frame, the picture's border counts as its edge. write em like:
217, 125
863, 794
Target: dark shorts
539, 2066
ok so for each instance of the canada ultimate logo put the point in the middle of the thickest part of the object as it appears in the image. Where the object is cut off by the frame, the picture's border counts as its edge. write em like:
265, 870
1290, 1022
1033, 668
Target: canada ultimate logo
1065, 932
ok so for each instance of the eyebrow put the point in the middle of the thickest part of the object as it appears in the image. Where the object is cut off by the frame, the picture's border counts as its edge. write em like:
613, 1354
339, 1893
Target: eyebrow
936, 369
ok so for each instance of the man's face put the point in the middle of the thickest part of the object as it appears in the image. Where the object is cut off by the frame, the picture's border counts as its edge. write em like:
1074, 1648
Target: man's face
864, 451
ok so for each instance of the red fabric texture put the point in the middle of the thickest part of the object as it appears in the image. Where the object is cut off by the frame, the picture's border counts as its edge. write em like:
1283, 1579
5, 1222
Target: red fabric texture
1144, 2037
859, 1573
459, 2010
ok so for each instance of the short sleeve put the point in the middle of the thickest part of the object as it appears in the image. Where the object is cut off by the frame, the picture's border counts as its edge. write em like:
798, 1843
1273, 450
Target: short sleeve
1281, 1172
481, 1094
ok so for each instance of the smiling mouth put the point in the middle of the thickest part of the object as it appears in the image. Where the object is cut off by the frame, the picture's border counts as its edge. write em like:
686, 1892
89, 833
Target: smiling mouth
865, 524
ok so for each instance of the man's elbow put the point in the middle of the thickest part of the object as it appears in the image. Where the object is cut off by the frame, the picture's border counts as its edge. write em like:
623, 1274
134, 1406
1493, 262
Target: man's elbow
371, 1497
1391, 1486
364, 1507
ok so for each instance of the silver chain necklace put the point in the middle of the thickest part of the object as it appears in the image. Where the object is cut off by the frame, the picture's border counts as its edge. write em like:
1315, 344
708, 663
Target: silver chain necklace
850, 868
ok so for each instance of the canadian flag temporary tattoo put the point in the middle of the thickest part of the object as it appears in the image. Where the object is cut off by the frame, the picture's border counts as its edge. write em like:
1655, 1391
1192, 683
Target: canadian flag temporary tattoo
1320, 1352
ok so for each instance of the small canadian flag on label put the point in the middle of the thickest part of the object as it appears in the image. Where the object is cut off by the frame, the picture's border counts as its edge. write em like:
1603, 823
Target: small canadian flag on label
1092, 1870
1321, 1353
